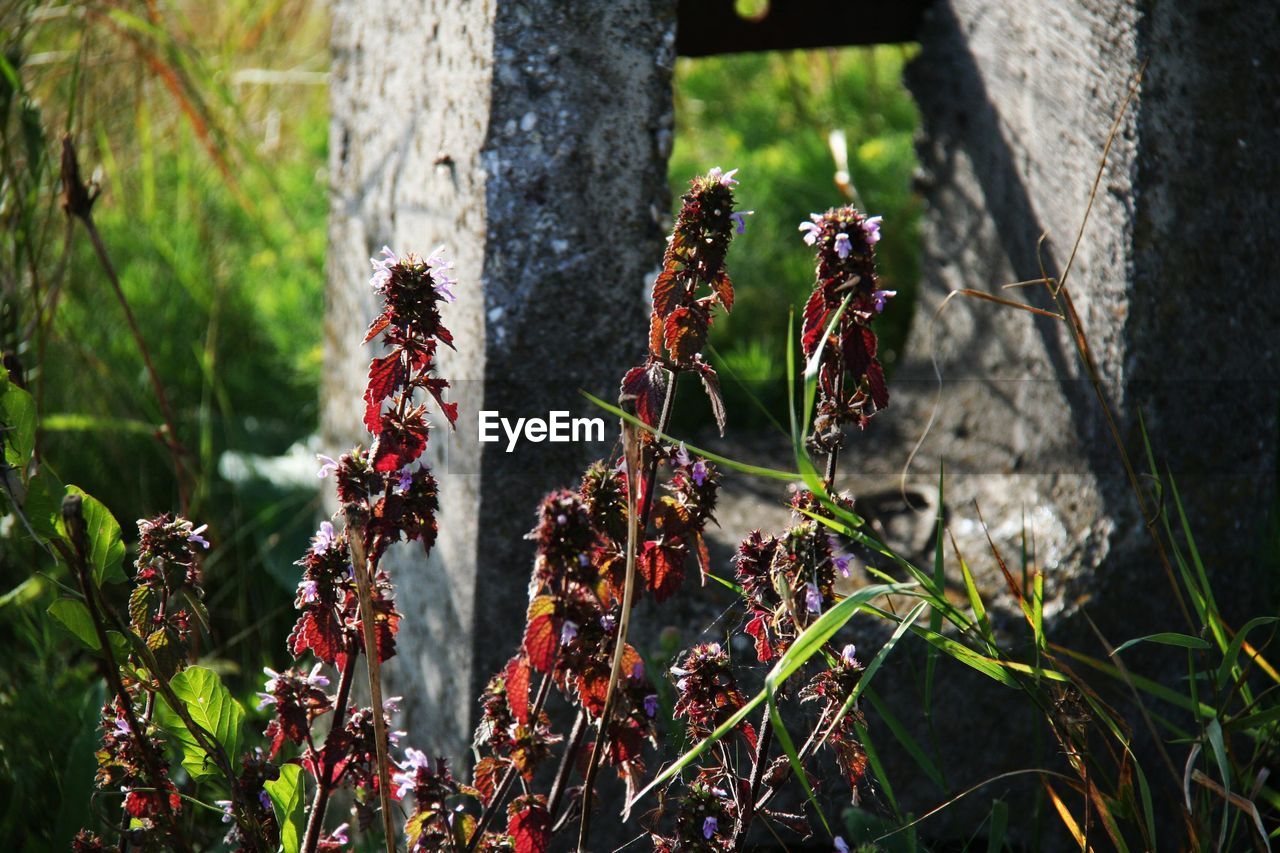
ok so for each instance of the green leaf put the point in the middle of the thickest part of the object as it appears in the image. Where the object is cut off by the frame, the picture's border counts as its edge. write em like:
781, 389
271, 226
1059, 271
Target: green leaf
72, 614
43, 504
104, 542
287, 797
18, 421
1168, 639
212, 708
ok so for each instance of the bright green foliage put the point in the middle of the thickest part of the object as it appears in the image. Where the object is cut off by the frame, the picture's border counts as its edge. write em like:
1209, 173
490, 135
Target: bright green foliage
212, 708
769, 115
287, 796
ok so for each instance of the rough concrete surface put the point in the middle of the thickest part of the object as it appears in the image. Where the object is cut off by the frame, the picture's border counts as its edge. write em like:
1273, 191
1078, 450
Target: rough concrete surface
530, 139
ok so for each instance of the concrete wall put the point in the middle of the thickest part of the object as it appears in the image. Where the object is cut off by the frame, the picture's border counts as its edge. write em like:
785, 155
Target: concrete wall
530, 138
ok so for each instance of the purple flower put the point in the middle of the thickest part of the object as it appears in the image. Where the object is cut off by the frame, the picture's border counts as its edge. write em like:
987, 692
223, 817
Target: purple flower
441, 279
314, 678
327, 465
682, 456
324, 538
881, 297
812, 230
562, 519
841, 847
406, 779
584, 560
382, 268
225, 805
308, 592
122, 727
568, 632
699, 472
195, 538
740, 219
637, 670
709, 827
839, 559
264, 800
724, 179
871, 227
406, 479
339, 835
849, 654
268, 697
607, 621
812, 598
651, 705
843, 246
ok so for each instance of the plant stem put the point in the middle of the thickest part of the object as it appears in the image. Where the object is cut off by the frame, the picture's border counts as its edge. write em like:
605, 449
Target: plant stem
747, 813
566, 763
357, 517
636, 528
324, 782
73, 515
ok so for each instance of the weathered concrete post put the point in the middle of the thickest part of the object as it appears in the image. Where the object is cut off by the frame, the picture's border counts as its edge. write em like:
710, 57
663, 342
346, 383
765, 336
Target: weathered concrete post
1174, 283
530, 138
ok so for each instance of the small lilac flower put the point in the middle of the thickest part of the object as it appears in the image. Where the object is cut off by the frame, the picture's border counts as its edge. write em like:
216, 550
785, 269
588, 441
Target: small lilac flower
339, 835
268, 697
841, 846
713, 648
740, 219
812, 231
584, 560
225, 805
881, 297
841, 561
406, 479
812, 598
308, 592
122, 727
682, 456
324, 538
637, 670
382, 268
394, 737
651, 705
607, 621
314, 678
724, 179
699, 472
678, 672
568, 632
264, 800
562, 519
843, 246
442, 279
196, 539
407, 778
328, 465
392, 704
709, 827
849, 654
871, 227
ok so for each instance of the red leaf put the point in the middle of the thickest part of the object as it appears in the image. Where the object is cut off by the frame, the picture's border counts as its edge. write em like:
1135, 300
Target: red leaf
711, 384
655, 334
386, 374
816, 314
593, 685
529, 825
398, 444
646, 388
542, 633
724, 289
664, 292
517, 678
759, 628
487, 772
383, 320
662, 567
318, 630
436, 387
875, 380
685, 333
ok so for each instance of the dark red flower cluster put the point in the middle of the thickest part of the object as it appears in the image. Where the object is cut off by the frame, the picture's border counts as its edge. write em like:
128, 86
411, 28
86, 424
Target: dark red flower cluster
832, 688
167, 565
255, 771
681, 318
123, 767
788, 581
707, 692
704, 823
851, 380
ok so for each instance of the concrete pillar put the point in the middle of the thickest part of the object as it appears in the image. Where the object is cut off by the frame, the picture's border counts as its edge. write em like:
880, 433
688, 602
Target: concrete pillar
1173, 282
530, 138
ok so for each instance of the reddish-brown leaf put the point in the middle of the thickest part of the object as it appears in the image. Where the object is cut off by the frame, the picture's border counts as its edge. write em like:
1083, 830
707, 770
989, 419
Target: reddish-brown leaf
529, 825
488, 769
662, 567
386, 374
665, 292
517, 679
645, 388
816, 316
724, 289
436, 387
399, 443
542, 633
685, 333
875, 381
711, 384
375, 328
317, 630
